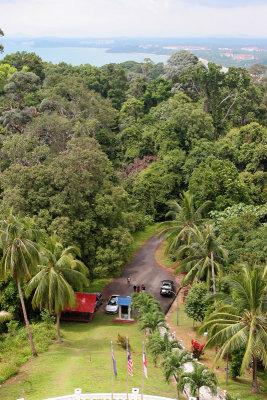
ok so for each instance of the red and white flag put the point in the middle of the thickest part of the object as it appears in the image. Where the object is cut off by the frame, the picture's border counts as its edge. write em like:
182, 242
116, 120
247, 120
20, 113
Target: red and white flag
145, 364
130, 361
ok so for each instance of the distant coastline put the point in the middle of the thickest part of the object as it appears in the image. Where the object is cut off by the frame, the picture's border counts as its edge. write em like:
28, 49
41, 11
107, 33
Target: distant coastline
98, 51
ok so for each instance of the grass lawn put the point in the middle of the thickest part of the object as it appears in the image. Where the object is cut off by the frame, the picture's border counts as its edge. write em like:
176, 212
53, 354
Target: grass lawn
84, 360
161, 257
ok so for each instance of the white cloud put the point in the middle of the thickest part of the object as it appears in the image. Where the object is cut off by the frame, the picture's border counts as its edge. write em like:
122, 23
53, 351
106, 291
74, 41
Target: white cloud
103, 18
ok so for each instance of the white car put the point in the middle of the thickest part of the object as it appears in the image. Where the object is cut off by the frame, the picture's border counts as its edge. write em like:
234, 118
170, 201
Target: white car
112, 305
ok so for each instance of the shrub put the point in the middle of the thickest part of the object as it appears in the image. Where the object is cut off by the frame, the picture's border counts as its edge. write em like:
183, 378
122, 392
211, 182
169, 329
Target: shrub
121, 340
47, 318
197, 348
6, 371
237, 358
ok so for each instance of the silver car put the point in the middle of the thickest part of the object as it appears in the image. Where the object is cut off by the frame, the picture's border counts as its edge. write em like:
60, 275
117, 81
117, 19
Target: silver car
112, 305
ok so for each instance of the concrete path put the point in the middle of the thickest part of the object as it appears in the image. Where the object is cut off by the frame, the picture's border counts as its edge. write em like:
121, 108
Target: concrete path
143, 269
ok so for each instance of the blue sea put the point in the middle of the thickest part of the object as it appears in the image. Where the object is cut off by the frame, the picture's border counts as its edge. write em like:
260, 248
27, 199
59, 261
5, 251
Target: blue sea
81, 55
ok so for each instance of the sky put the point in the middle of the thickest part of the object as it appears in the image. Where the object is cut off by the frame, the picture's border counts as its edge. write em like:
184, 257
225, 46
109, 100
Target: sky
133, 18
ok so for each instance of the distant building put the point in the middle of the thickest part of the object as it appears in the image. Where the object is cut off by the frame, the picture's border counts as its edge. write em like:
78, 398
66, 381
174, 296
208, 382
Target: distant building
243, 57
190, 48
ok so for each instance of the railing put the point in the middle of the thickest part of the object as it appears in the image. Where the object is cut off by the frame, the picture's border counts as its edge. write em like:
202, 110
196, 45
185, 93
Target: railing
78, 395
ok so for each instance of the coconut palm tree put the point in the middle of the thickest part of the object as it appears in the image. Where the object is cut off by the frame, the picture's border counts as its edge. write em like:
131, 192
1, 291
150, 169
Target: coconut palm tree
184, 217
204, 257
161, 345
152, 320
58, 274
199, 377
173, 366
20, 255
241, 320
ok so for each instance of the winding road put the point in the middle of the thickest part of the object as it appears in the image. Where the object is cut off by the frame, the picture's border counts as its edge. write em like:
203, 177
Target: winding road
143, 269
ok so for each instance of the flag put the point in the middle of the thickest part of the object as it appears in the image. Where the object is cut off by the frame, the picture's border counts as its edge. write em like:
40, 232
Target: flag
130, 361
145, 364
114, 363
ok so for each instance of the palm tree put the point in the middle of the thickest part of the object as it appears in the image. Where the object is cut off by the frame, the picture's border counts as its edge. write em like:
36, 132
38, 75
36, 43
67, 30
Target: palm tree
172, 366
204, 257
144, 303
161, 345
184, 217
199, 377
20, 255
58, 274
152, 320
241, 320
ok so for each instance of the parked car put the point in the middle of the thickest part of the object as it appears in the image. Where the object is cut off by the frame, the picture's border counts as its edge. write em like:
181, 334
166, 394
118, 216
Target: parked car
112, 304
167, 288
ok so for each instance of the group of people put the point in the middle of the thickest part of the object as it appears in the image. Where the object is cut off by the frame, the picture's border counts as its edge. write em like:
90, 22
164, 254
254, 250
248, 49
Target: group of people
136, 288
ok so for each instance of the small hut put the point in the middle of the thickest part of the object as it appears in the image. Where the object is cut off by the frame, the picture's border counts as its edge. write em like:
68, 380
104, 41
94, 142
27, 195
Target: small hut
84, 311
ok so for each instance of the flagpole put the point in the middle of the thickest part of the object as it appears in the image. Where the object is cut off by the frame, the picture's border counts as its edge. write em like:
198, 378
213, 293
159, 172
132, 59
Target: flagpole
142, 390
111, 372
127, 367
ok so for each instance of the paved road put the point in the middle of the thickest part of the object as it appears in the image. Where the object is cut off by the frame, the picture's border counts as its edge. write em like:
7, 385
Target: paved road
143, 269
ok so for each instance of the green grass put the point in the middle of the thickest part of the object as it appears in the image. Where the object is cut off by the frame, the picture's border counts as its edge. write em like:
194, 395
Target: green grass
97, 285
241, 387
162, 258
84, 360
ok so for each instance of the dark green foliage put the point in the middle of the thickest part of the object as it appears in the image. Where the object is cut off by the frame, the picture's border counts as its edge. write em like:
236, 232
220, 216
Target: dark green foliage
235, 366
196, 303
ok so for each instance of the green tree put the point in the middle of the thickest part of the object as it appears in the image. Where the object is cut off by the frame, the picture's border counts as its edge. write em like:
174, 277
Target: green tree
200, 376
204, 257
59, 274
178, 62
20, 256
240, 322
219, 182
20, 84
5, 72
173, 366
196, 302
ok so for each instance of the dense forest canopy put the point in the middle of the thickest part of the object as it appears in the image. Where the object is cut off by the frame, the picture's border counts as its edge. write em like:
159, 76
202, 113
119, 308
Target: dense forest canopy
94, 154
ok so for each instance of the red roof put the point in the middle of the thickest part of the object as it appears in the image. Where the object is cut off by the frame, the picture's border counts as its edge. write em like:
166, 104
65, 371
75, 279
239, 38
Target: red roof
86, 303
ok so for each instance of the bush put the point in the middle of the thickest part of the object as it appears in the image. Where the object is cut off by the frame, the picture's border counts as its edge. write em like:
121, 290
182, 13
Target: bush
6, 371
121, 340
197, 348
17, 338
237, 358
47, 318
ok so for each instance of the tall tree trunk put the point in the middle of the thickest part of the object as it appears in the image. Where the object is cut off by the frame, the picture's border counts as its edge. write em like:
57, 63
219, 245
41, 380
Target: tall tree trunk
26, 319
255, 388
212, 271
58, 328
